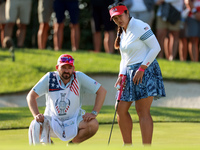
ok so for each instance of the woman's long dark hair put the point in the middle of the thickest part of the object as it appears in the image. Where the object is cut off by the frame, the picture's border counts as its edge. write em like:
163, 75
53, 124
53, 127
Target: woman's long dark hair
119, 30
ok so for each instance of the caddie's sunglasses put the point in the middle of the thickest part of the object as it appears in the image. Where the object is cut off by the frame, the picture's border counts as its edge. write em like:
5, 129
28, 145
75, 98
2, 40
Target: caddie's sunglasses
66, 59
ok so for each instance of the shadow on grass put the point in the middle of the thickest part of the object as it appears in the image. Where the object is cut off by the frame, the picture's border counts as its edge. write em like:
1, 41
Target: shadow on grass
12, 114
162, 114
6, 116
4, 57
176, 114
20, 117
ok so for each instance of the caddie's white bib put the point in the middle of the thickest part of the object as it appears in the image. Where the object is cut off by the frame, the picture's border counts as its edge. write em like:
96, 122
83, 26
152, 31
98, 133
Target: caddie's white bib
62, 102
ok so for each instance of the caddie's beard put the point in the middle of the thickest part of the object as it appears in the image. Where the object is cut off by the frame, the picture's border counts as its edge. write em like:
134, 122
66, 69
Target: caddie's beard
66, 76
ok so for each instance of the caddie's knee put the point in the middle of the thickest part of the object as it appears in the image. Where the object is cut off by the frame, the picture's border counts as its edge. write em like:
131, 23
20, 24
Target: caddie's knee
93, 126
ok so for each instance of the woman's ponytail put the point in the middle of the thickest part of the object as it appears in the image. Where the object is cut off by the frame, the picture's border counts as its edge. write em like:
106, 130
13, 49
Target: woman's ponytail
118, 38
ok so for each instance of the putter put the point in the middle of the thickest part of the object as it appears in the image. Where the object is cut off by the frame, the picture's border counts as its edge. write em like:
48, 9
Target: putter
118, 100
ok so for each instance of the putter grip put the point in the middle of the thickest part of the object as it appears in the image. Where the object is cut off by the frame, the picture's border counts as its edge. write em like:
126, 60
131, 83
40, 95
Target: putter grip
121, 87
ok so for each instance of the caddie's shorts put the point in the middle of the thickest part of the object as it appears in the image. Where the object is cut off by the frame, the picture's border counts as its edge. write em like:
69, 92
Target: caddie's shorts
152, 83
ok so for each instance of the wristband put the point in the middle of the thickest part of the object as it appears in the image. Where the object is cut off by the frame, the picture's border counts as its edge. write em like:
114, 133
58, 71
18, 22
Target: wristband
140, 69
121, 75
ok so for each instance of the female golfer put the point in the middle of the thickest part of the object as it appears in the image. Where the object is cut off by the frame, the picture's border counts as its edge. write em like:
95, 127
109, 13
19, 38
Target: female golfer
138, 47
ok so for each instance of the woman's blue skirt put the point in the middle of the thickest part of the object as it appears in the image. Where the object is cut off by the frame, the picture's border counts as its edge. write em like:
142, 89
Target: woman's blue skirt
152, 83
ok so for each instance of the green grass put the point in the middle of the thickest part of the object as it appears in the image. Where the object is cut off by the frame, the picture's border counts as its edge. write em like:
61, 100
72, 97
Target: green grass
174, 128
32, 64
179, 136
15, 118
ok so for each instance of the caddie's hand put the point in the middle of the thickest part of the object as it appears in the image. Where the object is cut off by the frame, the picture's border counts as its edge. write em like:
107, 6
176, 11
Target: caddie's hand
39, 118
138, 77
88, 116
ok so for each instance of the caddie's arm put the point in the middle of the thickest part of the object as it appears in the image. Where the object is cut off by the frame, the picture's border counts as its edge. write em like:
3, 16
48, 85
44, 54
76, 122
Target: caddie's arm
100, 97
32, 104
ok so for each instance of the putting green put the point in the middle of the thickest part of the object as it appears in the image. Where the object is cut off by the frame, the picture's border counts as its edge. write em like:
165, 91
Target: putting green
166, 136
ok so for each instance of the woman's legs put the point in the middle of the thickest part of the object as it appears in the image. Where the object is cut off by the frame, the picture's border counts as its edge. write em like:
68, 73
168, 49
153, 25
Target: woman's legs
146, 123
125, 121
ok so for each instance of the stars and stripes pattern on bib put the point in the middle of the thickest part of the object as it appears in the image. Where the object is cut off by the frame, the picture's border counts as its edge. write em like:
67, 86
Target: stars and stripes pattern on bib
74, 87
53, 83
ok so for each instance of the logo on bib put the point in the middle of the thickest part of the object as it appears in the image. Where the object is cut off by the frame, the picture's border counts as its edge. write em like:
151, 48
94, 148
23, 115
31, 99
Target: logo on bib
62, 105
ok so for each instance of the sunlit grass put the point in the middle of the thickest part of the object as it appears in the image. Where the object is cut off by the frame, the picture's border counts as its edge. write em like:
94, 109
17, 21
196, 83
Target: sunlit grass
32, 64
176, 136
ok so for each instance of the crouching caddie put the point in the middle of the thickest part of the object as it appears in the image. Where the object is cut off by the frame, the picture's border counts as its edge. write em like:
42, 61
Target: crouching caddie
63, 117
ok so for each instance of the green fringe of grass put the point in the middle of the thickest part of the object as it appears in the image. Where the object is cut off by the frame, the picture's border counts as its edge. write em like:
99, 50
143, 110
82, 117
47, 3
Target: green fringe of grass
17, 118
31, 64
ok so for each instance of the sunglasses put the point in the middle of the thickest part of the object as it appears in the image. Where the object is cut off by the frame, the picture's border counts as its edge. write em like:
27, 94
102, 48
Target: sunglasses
115, 4
67, 60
